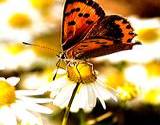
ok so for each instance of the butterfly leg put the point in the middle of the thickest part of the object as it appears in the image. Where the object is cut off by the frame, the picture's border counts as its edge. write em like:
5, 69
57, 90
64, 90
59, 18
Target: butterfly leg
81, 81
58, 66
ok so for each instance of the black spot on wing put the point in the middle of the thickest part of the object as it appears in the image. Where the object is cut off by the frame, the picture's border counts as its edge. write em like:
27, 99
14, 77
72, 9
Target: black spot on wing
84, 45
80, 14
71, 23
106, 28
77, 9
131, 33
89, 22
72, 11
124, 21
128, 27
99, 10
86, 15
129, 40
93, 4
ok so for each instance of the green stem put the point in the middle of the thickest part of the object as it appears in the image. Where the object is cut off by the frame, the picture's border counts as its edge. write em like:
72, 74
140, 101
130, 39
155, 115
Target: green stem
66, 114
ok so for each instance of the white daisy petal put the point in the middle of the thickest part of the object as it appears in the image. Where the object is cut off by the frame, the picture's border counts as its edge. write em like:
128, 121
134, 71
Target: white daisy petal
13, 80
20, 93
98, 95
75, 105
64, 95
92, 96
59, 83
37, 108
106, 94
5, 113
36, 100
24, 115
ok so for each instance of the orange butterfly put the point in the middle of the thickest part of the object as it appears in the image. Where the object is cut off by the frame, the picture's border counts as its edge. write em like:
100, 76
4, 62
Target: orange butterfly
87, 32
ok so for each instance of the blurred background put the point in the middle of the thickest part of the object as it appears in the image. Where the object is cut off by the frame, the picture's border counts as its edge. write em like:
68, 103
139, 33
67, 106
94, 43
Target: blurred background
134, 73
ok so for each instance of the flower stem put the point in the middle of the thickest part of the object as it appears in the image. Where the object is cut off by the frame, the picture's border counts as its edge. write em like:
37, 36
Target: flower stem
66, 114
100, 118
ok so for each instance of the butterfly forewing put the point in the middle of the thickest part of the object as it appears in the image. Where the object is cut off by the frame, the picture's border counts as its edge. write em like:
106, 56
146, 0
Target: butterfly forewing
79, 17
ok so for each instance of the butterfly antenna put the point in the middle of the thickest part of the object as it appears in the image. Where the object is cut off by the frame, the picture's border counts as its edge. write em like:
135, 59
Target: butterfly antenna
40, 46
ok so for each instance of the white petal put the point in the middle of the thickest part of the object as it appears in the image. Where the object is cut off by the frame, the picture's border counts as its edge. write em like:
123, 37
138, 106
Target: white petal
7, 117
13, 80
64, 96
44, 88
60, 72
106, 94
20, 93
59, 83
92, 96
24, 115
78, 101
36, 100
37, 108
99, 96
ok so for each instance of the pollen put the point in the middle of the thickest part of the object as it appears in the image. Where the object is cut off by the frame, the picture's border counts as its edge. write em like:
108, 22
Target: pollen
19, 20
127, 92
82, 72
7, 93
148, 35
1, 1
42, 4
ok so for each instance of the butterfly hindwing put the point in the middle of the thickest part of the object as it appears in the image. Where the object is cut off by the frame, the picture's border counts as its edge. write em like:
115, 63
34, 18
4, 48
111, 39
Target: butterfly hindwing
110, 34
79, 16
114, 27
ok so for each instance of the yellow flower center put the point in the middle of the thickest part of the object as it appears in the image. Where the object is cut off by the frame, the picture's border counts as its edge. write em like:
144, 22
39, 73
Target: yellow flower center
19, 20
1, 1
148, 35
7, 93
15, 49
127, 92
81, 72
152, 96
42, 4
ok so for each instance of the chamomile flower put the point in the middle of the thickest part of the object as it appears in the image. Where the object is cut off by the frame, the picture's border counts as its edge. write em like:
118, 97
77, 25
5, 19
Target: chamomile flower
20, 22
89, 90
17, 105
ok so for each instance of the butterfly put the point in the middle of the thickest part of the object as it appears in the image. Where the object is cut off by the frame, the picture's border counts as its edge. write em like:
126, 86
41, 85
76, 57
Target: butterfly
87, 32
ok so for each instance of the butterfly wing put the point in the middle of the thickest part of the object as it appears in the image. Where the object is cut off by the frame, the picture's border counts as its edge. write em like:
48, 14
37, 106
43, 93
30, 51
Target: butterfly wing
110, 34
79, 16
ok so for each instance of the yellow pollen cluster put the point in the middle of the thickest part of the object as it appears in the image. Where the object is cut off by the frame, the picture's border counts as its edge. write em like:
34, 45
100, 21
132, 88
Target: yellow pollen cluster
127, 92
148, 35
81, 72
42, 4
19, 20
7, 93
1, 1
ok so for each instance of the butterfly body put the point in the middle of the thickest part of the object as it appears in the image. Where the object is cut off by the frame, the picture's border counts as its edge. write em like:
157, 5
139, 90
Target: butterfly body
87, 32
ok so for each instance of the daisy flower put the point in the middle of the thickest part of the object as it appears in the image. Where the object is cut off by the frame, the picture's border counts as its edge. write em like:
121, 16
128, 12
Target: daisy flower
90, 88
21, 22
17, 105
